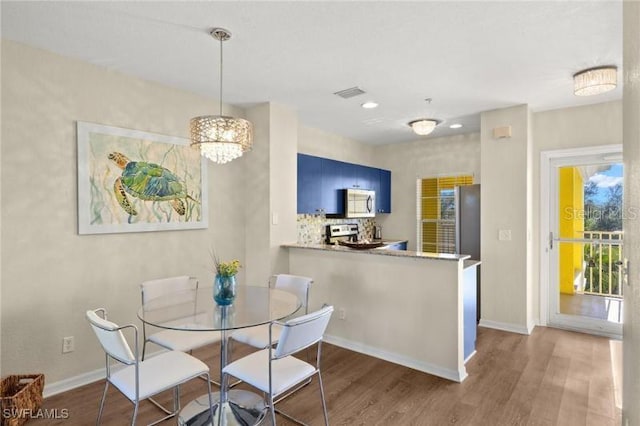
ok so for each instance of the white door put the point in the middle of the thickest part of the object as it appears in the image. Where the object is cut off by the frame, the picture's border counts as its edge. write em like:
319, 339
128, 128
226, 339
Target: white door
583, 248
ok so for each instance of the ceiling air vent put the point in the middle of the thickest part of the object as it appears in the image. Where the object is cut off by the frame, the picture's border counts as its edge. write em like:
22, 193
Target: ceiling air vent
350, 93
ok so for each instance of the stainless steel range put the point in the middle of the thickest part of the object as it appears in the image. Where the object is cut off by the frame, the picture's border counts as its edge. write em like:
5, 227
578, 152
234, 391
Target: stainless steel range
347, 232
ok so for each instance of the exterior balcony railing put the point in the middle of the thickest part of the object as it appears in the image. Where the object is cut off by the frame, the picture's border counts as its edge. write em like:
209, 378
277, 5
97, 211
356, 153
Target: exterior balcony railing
602, 266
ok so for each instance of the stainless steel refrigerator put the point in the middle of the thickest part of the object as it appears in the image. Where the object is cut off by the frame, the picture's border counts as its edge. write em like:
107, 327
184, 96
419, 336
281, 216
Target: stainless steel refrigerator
467, 199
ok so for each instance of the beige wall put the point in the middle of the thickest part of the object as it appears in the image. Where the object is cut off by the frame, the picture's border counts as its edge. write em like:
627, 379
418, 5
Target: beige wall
322, 144
50, 274
631, 394
256, 208
284, 165
270, 212
505, 198
531, 286
2, 374
416, 160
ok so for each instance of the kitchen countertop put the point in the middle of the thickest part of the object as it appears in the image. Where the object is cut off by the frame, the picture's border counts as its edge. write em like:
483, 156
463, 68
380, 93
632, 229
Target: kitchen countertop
389, 241
381, 251
469, 263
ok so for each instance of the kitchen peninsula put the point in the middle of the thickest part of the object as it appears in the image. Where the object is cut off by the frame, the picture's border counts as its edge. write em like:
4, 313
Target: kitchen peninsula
411, 308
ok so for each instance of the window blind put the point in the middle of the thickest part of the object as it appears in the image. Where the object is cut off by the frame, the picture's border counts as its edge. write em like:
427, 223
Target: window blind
436, 213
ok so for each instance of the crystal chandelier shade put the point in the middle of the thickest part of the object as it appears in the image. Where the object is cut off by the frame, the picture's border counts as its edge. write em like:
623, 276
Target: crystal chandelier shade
595, 81
221, 138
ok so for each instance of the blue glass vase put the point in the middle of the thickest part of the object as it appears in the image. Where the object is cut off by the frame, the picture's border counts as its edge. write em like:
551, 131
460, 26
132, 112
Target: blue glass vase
224, 289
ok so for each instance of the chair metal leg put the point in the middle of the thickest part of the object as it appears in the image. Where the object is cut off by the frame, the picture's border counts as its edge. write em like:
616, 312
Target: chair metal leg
160, 406
144, 348
293, 419
135, 413
176, 400
104, 396
231, 385
273, 410
296, 389
298, 421
210, 398
324, 403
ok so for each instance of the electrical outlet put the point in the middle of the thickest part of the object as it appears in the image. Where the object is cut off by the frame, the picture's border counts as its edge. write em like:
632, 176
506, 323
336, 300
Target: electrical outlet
342, 314
68, 344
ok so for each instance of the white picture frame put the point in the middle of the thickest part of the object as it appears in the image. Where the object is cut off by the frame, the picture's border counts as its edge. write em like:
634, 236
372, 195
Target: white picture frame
121, 171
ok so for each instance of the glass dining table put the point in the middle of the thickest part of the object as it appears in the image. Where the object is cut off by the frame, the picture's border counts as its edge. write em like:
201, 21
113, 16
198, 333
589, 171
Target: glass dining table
195, 310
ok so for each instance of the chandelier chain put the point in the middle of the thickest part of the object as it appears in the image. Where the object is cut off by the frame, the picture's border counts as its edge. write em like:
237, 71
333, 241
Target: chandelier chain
221, 43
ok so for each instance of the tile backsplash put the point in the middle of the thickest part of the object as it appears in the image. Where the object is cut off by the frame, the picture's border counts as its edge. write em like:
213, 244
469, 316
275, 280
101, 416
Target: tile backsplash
312, 227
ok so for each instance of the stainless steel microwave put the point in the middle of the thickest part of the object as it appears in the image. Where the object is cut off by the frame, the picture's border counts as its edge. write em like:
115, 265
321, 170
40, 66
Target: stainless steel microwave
359, 203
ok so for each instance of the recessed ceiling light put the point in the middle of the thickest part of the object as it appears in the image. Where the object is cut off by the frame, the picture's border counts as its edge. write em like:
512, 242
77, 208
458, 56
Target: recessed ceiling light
369, 105
455, 126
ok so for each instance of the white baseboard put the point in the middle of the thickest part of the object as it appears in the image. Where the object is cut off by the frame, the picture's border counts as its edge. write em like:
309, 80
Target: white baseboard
505, 326
73, 382
456, 376
470, 356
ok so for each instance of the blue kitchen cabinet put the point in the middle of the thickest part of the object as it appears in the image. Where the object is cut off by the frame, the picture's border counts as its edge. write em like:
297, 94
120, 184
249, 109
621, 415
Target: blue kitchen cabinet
369, 178
400, 245
319, 185
469, 294
349, 175
309, 184
321, 182
332, 197
383, 195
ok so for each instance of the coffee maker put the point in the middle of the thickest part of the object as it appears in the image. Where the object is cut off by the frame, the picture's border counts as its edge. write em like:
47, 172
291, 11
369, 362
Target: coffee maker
377, 232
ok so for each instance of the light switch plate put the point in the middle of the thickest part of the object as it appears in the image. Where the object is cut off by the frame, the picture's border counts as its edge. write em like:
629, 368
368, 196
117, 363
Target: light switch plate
504, 234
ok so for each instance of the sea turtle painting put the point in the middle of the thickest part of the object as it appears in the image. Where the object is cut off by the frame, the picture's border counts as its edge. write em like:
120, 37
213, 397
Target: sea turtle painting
147, 182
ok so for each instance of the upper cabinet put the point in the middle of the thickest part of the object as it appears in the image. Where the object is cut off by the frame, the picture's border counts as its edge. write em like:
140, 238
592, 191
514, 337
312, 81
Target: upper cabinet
321, 181
319, 184
309, 184
383, 202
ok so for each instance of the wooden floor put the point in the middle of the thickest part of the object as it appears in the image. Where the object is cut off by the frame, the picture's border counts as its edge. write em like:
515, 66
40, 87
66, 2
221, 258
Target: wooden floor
552, 377
589, 305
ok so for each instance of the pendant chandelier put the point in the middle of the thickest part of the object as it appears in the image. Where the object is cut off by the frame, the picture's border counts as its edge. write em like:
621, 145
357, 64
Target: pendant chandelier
221, 138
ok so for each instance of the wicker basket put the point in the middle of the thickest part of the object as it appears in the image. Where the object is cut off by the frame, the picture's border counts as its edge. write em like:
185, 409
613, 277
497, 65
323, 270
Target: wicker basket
21, 396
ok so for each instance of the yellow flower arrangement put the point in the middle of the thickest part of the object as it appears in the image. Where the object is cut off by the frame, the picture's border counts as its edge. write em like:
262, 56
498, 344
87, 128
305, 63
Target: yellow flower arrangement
227, 269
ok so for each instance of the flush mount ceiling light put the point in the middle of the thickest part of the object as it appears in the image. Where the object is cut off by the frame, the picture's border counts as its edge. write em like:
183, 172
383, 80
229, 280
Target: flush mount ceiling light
423, 126
369, 105
221, 138
455, 126
594, 81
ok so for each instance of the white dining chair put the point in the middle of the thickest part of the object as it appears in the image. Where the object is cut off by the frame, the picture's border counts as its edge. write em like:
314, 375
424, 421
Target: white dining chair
274, 371
258, 337
185, 289
138, 380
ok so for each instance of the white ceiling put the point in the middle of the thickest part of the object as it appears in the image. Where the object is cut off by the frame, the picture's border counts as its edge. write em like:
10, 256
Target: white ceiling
468, 56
